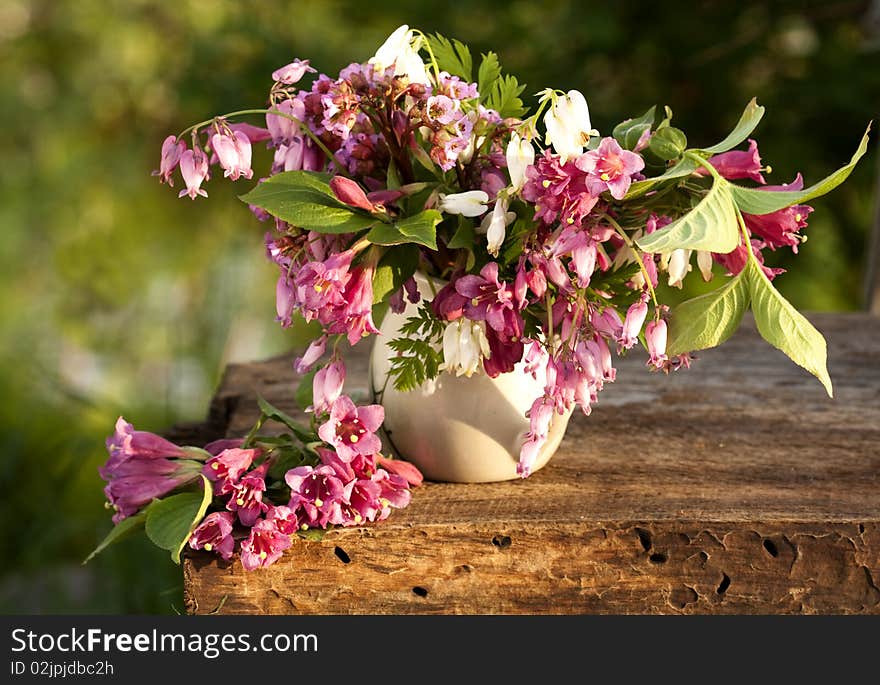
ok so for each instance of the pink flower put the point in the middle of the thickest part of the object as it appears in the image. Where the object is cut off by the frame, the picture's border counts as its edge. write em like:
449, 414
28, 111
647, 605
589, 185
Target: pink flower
361, 502
448, 304
313, 353
217, 446
284, 130
214, 534
320, 286
315, 494
255, 134
327, 387
134, 483
607, 323
284, 518
246, 496
393, 492
194, 169
403, 469
234, 153
610, 167
355, 318
351, 430
655, 336
780, 228
263, 546
491, 301
739, 164
350, 193
293, 72
557, 189
227, 467
504, 354
632, 325
540, 416
172, 149
127, 443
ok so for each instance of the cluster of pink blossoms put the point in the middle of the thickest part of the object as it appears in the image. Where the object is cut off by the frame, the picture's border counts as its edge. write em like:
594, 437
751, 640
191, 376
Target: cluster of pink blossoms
344, 481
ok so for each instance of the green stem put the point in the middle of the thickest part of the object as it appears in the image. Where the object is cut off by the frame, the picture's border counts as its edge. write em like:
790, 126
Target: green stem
430, 54
248, 441
632, 246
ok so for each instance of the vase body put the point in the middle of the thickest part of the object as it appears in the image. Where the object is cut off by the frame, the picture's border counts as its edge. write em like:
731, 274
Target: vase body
455, 428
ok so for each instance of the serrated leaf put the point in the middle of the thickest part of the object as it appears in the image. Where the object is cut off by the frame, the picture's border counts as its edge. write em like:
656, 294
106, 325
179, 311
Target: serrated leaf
452, 56
395, 267
122, 530
781, 325
304, 199
753, 201
711, 225
171, 521
746, 124
708, 320
488, 74
628, 132
505, 99
685, 167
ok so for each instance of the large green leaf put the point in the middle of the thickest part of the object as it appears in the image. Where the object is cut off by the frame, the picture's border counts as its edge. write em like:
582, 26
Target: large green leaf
711, 225
420, 229
754, 201
125, 528
395, 267
708, 320
171, 521
785, 328
746, 124
304, 200
685, 167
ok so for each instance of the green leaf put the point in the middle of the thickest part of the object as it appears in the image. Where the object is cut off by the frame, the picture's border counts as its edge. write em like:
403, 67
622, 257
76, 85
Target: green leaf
685, 167
505, 99
171, 521
452, 56
488, 74
711, 225
754, 201
420, 229
668, 143
395, 267
464, 238
122, 530
785, 328
746, 124
301, 199
708, 320
275, 414
304, 391
628, 132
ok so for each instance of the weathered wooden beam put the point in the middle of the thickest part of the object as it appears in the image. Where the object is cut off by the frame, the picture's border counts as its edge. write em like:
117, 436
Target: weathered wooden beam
735, 487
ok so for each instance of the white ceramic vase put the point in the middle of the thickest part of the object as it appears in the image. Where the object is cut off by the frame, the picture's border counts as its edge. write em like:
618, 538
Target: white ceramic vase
455, 428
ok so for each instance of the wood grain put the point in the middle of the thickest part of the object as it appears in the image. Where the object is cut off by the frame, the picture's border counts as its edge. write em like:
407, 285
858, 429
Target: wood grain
737, 486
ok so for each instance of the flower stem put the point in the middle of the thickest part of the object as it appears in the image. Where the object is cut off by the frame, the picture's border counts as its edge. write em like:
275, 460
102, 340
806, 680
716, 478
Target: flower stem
632, 246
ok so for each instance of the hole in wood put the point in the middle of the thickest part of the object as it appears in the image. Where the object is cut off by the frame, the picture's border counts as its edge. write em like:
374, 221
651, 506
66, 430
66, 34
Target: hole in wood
861, 528
724, 584
501, 541
657, 558
703, 557
342, 555
644, 538
770, 546
420, 591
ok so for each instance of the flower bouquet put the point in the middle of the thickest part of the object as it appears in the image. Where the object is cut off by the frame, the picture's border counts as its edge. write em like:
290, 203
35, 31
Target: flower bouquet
506, 243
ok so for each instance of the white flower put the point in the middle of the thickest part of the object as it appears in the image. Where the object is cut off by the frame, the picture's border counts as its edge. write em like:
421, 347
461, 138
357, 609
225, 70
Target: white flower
464, 346
568, 125
495, 225
520, 155
401, 50
470, 203
678, 266
704, 262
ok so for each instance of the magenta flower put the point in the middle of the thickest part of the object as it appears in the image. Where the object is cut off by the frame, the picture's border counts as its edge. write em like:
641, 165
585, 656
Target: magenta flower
393, 492
320, 285
134, 483
739, 164
194, 169
284, 130
540, 415
313, 353
327, 386
655, 336
234, 153
632, 325
172, 149
315, 493
264, 546
127, 443
448, 304
284, 518
227, 467
293, 72
504, 354
490, 301
362, 502
350, 193
214, 534
351, 430
557, 189
217, 446
780, 228
355, 318
246, 496
610, 167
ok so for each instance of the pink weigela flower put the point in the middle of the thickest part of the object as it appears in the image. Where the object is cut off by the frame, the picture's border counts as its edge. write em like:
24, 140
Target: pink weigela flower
264, 545
351, 430
214, 534
610, 167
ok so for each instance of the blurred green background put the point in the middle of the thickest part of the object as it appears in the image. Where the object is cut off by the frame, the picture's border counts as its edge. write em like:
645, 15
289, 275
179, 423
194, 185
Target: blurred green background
118, 298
